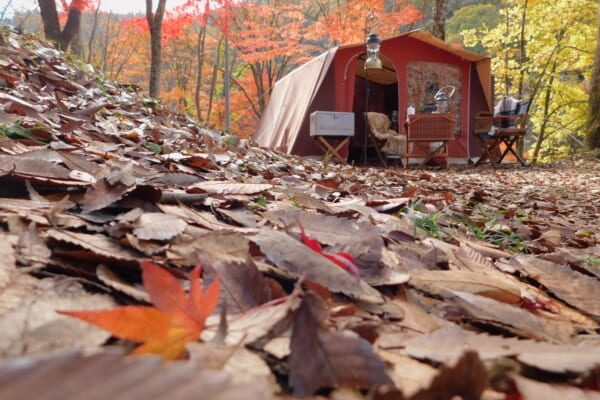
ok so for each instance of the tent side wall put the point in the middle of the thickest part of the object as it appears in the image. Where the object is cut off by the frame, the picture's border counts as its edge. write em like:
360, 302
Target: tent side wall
288, 107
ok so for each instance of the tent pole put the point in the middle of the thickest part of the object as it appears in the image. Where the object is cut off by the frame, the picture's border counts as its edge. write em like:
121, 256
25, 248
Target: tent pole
366, 142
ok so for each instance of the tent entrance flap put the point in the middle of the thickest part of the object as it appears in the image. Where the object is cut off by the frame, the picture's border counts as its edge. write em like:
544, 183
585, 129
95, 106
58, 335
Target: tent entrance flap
374, 90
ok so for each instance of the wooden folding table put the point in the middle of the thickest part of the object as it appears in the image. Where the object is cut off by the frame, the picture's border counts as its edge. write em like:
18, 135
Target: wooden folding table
332, 145
332, 131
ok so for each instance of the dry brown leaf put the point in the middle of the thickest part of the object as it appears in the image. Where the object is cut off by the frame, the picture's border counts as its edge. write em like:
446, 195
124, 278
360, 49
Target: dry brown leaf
110, 279
467, 281
30, 325
100, 245
562, 359
513, 318
407, 373
243, 286
243, 365
31, 249
321, 358
579, 290
359, 239
226, 187
102, 194
111, 375
533, 390
255, 323
158, 226
293, 256
450, 341
203, 219
465, 377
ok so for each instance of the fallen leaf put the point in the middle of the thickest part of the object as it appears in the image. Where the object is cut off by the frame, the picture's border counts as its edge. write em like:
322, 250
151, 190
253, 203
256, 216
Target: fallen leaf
342, 259
165, 330
29, 324
228, 255
320, 358
225, 187
110, 375
465, 377
467, 281
158, 226
292, 256
532, 390
553, 276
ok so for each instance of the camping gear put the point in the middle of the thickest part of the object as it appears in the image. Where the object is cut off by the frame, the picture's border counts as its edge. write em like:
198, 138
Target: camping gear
337, 81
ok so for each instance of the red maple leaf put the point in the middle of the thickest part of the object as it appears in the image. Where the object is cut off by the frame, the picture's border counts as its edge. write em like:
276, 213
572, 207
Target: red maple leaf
176, 319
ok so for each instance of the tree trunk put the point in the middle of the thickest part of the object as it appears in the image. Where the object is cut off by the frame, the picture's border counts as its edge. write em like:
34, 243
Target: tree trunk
542, 129
200, 54
155, 24
592, 139
50, 20
93, 35
69, 33
439, 19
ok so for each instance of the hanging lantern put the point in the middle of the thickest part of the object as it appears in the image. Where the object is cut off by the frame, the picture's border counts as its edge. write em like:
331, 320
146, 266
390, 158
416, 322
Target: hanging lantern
373, 45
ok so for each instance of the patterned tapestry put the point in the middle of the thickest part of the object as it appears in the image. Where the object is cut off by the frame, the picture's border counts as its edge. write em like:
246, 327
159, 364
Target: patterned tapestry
425, 79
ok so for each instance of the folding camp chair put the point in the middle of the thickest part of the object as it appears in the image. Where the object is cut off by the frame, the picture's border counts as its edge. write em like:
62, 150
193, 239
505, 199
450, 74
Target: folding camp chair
386, 142
506, 129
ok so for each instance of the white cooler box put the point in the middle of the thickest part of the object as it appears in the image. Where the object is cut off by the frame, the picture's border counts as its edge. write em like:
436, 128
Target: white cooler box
331, 123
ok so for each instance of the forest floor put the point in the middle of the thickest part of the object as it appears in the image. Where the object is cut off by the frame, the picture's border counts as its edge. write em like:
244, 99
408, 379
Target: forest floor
472, 282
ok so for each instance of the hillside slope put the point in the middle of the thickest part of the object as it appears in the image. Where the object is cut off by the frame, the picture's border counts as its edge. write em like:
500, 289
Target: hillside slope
479, 283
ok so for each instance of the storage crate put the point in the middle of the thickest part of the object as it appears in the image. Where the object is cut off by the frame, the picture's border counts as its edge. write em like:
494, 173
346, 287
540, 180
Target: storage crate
331, 123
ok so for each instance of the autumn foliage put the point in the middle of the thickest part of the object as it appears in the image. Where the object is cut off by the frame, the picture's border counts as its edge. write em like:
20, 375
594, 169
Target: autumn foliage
176, 318
79, 5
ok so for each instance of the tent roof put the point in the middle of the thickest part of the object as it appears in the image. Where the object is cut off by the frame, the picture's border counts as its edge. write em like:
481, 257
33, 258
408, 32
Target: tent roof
387, 75
432, 40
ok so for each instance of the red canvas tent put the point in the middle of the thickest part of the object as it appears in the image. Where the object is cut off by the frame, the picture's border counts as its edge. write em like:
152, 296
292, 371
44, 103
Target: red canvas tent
415, 66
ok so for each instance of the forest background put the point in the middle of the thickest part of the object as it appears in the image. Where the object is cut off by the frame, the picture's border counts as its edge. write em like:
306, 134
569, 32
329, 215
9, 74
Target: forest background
540, 50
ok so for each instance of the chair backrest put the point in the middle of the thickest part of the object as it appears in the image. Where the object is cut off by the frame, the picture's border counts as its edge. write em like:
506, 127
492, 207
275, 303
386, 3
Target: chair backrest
522, 108
379, 124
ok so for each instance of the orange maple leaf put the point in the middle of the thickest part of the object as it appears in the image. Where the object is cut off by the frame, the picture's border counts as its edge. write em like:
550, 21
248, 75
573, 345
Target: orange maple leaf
176, 319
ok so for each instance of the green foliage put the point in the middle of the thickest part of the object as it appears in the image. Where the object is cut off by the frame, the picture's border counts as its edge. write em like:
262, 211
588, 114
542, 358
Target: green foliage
547, 59
493, 226
258, 203
592, 262
16, 131
479, 17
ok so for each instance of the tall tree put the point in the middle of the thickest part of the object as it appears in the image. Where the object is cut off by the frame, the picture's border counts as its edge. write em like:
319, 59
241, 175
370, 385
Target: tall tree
5, 9
543, 52
439, 19
66, 36
593, 118
155, 20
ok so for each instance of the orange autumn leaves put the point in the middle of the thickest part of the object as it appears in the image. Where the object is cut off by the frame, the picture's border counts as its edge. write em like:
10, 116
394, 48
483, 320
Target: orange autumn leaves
176, 319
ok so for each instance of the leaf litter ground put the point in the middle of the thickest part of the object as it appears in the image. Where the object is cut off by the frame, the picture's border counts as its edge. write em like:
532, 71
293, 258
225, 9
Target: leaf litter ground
474, 282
